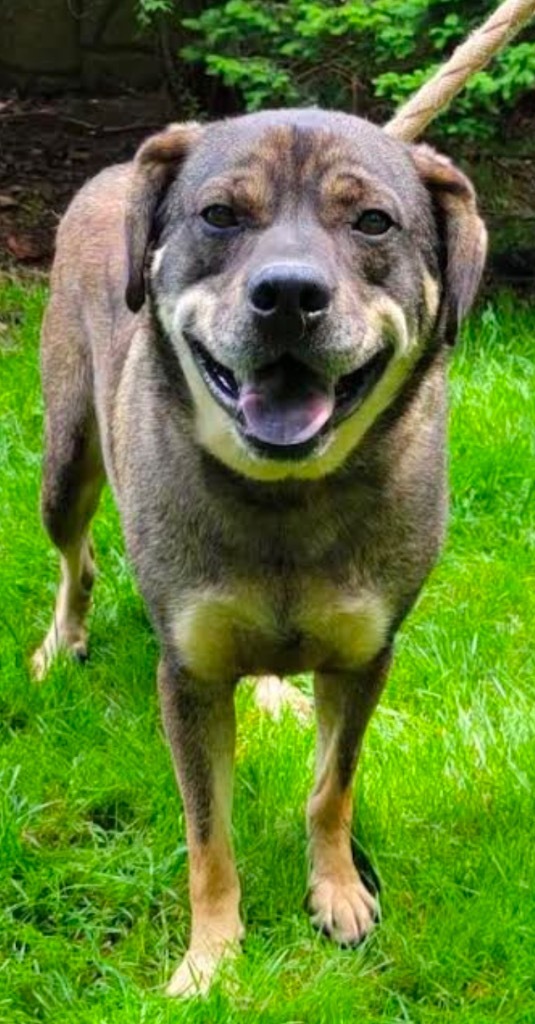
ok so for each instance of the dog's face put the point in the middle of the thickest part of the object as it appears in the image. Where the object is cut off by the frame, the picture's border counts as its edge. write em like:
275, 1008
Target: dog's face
303, 261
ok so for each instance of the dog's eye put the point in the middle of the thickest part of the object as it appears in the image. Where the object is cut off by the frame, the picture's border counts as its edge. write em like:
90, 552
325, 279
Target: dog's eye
373, 222
219, 216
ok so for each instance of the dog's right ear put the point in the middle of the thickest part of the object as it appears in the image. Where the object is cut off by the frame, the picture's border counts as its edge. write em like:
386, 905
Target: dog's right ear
462, 235
155, 165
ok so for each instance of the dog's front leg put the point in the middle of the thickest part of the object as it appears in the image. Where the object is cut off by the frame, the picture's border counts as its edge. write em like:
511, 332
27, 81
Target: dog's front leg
341, 905
199, 719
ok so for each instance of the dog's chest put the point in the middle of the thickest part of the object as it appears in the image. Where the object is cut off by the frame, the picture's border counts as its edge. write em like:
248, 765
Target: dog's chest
248, 628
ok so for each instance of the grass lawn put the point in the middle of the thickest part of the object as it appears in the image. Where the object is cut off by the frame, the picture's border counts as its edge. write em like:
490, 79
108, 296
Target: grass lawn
94, 911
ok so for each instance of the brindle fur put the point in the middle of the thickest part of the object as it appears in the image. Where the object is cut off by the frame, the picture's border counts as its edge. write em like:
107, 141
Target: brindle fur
248, 565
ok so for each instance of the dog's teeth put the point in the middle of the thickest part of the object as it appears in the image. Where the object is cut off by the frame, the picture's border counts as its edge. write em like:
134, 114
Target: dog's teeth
220, 375
225, 378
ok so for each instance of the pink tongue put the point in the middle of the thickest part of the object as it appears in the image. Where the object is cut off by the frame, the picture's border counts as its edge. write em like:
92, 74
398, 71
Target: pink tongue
284, 406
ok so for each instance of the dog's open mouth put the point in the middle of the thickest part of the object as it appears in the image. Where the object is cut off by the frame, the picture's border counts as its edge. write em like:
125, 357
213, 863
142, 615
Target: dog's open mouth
285, 407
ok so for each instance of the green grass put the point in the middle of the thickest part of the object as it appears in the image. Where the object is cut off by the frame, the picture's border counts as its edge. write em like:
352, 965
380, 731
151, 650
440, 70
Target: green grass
93, 899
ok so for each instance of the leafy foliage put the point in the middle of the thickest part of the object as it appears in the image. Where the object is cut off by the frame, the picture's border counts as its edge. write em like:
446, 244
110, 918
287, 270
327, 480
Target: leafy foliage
358, 55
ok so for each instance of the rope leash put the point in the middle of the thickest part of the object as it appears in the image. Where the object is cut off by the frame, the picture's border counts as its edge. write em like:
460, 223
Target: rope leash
470, 57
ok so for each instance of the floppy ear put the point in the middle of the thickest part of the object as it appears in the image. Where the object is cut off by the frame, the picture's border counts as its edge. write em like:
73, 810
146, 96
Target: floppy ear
462, 233
155, 165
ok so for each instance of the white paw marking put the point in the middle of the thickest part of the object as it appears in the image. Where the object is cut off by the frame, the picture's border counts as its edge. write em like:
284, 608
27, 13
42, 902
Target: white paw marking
194, 975
56, 640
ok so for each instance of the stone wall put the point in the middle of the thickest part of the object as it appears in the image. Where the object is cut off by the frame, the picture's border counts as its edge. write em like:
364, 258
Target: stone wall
47, 46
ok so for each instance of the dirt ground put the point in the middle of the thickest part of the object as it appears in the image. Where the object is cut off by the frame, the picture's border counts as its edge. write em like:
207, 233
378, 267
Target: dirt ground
48, 149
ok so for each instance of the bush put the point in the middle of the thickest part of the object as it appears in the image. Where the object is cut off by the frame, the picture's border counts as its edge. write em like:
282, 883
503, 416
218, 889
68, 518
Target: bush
362, 56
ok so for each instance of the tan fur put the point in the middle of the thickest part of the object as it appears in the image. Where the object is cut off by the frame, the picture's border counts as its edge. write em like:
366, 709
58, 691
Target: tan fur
355, 628
431, 293
250, 192
273, 695
243, 630
340, 902
68, 631
216, 925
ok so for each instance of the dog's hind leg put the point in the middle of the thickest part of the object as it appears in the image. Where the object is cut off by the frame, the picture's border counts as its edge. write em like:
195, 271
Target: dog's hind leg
341, 905
273, 695
72, 481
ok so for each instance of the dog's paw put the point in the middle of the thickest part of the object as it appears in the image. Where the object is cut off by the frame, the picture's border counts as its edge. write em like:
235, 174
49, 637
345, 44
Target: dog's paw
273, 695
39, 664
343, 908
195, 974
74, 642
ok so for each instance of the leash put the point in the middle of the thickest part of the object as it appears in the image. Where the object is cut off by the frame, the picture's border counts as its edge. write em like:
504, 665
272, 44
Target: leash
470, 57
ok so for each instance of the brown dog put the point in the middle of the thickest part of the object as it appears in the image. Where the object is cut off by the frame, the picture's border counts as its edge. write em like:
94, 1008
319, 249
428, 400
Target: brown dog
270, 416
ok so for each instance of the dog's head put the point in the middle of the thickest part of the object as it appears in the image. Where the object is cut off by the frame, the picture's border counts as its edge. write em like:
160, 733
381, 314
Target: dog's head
302, 263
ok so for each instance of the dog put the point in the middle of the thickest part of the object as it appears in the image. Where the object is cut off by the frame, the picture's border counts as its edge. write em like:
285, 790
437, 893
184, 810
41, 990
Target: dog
248, 336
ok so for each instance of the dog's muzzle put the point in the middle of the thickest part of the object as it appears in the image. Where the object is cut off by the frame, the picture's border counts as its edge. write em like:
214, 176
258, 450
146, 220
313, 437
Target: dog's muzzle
284, 408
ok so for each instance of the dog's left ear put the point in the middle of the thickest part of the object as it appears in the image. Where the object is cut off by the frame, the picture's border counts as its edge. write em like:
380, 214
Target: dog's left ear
462, 234
156, 163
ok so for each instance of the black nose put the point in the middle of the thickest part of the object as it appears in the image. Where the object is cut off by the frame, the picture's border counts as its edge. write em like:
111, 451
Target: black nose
289, 291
